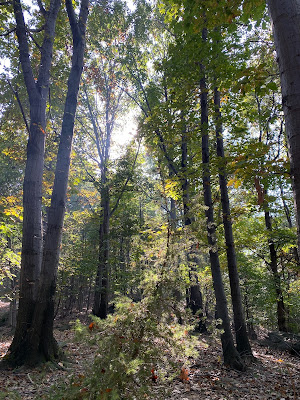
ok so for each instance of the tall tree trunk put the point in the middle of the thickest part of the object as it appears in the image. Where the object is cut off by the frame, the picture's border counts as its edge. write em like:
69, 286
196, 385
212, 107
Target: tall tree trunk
281, 313
37, 343
230, 354
193, 295
242, 341
100, 307
32, 239
286, 27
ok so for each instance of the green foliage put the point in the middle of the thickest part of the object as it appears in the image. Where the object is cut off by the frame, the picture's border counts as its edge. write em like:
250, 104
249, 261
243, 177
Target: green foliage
130, 344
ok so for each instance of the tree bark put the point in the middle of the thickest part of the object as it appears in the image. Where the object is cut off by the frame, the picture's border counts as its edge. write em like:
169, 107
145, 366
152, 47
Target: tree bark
100, 307
32, 238
286, 28
242, 341
230, 354
281, 312
37, 343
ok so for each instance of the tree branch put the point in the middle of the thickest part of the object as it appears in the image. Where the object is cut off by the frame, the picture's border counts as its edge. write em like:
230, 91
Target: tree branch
47, 46
94, 127
42, 9
38, 30
34, 41
126, 182
24, 49
84, 9
20, 105
72, 19
8, 32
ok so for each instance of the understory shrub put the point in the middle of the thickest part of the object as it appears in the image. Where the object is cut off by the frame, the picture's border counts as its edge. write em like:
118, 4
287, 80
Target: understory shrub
138, 350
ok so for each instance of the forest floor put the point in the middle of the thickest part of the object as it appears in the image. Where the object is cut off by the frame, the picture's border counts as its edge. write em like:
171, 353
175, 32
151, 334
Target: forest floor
274, 374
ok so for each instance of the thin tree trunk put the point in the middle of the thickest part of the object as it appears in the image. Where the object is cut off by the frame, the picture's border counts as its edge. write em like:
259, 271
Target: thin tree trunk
13, 286
290, 224
230, 354
281, 313
185, 185
193, 295
172, 214
286, 27
100, 307
242, 341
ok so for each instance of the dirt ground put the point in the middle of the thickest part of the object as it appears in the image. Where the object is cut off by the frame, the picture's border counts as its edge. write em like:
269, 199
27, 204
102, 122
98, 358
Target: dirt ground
274, 375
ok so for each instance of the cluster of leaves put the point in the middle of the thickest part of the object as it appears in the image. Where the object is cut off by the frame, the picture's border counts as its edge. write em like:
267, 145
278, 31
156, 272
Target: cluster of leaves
138, 349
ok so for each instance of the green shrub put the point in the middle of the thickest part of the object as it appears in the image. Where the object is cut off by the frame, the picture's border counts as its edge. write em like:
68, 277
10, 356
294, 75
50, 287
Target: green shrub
139, 349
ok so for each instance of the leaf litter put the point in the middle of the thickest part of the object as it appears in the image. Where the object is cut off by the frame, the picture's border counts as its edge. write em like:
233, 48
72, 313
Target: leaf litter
274, 375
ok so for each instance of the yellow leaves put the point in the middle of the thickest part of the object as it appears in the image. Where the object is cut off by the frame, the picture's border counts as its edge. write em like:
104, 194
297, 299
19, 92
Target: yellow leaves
235, 182
171, 189
12, 207
224, 99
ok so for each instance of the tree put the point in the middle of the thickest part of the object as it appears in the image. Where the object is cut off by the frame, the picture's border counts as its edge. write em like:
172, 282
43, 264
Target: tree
105, 73
242, 341
33, 340
230, 354
286, 24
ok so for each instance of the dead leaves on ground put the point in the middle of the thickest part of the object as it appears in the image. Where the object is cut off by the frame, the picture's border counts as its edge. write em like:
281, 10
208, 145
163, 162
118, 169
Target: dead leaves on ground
274, 375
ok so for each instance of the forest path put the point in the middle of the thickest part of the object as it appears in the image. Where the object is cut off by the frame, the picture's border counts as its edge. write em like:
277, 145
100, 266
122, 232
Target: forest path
274, 376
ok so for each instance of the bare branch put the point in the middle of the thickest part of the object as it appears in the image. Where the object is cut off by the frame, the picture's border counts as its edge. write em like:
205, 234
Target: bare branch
8, 32
42, 9
20, 105
36, 30
34, 41
96, 132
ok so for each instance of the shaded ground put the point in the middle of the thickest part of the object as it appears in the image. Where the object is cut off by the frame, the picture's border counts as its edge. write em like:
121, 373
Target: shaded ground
274, 375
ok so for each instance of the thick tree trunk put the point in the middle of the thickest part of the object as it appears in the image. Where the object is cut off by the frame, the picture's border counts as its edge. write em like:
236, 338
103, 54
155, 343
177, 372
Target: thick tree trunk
230, 354
37, 343
242, 341
44, 310
32, 239
286, 27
